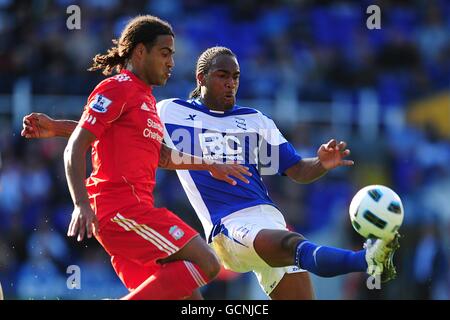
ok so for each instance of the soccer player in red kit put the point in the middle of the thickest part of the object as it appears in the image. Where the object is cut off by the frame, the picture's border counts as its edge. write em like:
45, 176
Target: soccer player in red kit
155, 254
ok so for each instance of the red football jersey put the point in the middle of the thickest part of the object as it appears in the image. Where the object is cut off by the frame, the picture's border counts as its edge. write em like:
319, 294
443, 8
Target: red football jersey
121, 113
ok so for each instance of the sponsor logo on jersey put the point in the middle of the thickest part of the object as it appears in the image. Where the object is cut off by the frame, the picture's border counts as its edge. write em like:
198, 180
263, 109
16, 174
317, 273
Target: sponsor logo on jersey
100, 103
149, 131
217, 146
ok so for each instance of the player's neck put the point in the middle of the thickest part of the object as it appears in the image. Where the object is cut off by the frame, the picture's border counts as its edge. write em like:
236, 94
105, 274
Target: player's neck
212, 105
133, 70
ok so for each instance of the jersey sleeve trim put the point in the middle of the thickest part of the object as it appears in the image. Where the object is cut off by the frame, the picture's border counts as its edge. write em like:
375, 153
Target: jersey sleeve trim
96, 131
120, 113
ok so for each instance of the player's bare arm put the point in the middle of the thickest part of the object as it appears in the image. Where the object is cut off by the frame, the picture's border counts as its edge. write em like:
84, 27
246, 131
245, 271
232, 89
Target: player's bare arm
185, 161
40, 125
83, 220
329, 156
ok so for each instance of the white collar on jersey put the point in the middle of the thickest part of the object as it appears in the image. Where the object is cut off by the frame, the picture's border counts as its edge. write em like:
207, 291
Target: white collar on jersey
216, 111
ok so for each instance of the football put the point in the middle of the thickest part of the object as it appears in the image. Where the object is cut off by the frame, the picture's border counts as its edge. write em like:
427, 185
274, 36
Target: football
376, 211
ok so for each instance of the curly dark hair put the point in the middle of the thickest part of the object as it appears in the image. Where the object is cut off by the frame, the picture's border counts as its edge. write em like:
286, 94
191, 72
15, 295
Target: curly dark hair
141, 29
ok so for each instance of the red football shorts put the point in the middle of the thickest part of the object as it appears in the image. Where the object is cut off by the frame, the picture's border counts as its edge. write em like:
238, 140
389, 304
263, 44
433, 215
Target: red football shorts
138, 236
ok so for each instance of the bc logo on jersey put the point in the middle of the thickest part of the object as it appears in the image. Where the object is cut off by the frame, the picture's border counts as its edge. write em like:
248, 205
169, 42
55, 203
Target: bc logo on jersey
100, 103
216, 146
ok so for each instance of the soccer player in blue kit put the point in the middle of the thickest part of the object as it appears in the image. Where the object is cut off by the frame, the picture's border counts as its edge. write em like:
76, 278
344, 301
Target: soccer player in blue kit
241, 223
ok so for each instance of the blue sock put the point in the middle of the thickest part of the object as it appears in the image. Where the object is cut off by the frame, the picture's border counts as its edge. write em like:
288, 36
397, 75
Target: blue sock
327, 261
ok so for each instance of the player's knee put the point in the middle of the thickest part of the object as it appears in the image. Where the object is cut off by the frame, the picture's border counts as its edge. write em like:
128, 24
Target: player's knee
210, 265
289, 241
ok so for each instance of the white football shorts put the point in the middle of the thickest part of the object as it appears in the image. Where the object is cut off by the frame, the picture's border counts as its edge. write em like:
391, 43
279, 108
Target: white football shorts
234, 244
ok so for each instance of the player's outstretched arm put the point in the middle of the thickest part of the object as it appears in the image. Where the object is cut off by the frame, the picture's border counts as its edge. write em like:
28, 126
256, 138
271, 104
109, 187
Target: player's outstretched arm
40, 125
329, 156
84, 222
175, 160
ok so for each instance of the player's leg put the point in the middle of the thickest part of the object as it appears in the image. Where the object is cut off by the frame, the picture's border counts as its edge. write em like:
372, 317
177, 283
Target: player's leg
284, 283
200, 255
277, 247
179, 274
146, 235
293, 286
133, 274
198, 252
281, 248
284, 248
233, 242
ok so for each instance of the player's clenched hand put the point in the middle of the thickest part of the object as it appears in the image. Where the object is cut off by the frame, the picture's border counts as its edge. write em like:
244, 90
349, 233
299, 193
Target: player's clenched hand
83, 222
37, 125
224, 171
332, 154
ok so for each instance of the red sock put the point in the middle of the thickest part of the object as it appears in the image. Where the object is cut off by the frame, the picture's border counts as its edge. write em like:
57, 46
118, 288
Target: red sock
175, 280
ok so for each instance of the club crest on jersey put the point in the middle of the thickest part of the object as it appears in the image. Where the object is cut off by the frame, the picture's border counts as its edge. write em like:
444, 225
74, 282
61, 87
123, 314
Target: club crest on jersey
240, 123
176, 232
100, 103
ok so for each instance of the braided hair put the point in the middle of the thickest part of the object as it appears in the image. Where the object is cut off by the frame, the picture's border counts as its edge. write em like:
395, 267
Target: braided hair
204, 64
141, 29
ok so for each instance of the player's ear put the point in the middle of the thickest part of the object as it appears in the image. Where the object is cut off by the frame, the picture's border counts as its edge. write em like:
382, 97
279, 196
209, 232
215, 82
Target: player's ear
201, 81
140, 50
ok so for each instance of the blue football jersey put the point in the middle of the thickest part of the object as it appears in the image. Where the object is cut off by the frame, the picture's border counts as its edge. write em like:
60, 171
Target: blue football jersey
242, 135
